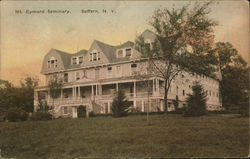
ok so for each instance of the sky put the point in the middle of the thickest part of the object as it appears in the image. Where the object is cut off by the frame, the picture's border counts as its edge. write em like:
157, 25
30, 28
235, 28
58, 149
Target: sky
26, 38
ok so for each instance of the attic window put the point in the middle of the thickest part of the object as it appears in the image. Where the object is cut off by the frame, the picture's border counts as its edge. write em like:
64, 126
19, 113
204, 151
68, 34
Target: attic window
73, 60
119, 53
94, 56
80, 59
128, 52
98, 56
90, 57
52, 63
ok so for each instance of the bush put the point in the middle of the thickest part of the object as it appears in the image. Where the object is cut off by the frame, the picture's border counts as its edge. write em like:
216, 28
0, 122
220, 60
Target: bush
196, 102
16, 114
92, 114
41, 115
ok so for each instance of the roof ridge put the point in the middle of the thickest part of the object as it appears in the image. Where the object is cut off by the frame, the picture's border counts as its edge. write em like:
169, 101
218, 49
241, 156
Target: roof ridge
103, 43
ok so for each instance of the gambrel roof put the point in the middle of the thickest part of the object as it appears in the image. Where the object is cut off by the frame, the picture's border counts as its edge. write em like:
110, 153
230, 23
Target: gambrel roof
108, 50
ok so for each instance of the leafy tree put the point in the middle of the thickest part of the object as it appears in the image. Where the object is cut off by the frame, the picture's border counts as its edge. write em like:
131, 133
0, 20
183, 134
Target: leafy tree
42, 112
176, 103
184, 42
17, 102
55, 87
27, 90
196, 102
120, 105
235, 77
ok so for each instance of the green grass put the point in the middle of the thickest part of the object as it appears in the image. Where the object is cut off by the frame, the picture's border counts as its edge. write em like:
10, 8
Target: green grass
166, 136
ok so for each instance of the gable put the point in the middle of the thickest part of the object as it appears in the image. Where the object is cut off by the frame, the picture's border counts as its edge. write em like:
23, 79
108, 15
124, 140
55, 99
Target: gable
97, 52
53, 62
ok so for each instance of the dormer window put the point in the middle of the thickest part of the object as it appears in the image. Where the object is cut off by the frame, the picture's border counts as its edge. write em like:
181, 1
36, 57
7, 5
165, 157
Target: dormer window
90, 57
73, 61
52, 63
119, 53
95, 56
98, 56
128, 51
80, 59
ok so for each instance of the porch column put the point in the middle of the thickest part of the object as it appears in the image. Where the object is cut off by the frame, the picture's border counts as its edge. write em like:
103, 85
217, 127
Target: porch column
61, 93
96, 89
100, 89
73, 93
109, 107
48, 95
157, 87
35, 100
79, 91
134, 93
117, 87
153, 86
92, 91
142, 104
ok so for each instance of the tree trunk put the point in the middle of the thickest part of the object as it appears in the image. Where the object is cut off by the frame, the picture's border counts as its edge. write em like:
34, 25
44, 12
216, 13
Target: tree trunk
165, 98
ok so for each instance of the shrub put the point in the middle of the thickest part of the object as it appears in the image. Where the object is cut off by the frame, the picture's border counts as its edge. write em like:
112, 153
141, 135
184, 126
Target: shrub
92, 114
41, 115
196, 102
120, 105
16, 114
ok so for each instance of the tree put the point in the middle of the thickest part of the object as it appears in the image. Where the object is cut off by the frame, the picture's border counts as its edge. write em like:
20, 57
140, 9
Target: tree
120, 105
184, 42
27, 91
235, 77
196, 102
55, 87
176, 103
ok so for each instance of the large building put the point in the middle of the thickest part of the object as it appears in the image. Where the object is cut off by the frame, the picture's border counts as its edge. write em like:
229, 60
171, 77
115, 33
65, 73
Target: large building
91, 78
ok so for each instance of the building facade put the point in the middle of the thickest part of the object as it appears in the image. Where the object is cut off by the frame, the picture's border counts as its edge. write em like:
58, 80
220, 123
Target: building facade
91, 78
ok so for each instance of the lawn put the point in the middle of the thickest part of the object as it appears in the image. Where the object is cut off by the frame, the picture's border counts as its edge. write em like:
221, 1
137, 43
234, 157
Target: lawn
166, 136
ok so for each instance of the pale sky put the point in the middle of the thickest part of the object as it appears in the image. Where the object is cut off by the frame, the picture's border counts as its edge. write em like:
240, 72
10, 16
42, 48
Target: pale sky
27, 38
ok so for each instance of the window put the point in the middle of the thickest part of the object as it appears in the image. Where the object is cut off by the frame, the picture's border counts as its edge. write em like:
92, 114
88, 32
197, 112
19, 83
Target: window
119, 53
90, 57
65, 77
97, 73
65, 110
128, 52
94, 56
55, 63
84, 73
118, 68
98, 56
133, 69
48, 64
133, 65
73, 60
80, 59
77, 75
183, 92
52, 63
109, 68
